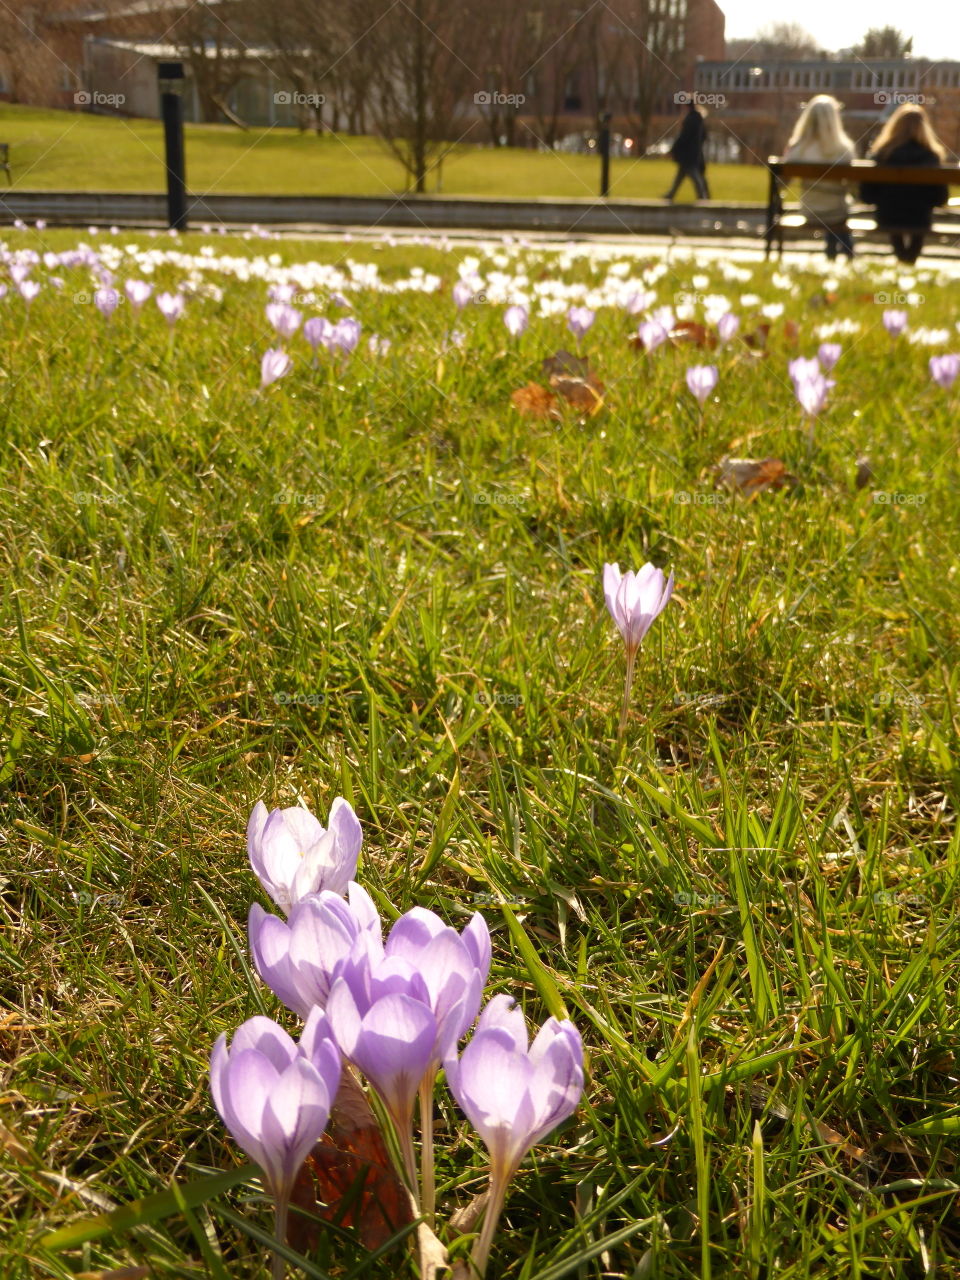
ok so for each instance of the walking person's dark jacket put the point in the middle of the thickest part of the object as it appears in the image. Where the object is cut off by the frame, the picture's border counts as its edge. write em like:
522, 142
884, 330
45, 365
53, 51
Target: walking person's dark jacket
687, 149
905, 208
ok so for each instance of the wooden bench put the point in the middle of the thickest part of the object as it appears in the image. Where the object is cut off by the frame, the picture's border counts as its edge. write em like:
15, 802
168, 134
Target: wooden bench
5, 160
858, 171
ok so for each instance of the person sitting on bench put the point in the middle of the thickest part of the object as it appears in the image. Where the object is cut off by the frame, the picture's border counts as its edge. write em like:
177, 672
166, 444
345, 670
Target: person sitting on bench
819, 136
906, 212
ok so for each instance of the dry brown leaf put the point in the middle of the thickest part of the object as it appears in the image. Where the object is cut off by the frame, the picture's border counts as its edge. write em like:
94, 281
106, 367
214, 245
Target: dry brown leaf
535, 400
566, 365
693, 332
582, 393
758, 337
349, 1177
754, 475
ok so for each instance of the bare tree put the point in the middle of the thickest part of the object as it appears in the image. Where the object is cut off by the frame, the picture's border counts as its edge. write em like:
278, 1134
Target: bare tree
419, 57
778, 40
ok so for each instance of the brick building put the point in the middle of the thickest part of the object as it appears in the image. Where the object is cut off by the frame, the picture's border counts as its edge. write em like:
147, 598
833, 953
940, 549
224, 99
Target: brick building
635, 59
758, 104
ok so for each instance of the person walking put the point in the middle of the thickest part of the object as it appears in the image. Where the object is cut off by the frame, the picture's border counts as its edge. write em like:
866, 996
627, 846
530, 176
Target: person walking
906, 213
819, 136
687, 152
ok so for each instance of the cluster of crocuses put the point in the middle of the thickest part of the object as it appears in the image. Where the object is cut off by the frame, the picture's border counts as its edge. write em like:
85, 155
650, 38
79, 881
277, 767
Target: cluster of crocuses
336, 337
394, 1010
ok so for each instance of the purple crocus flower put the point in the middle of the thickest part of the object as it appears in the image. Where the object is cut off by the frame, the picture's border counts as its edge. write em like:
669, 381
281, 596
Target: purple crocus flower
171, 306
828, 354
635, 600
378, 346
652, 334
454, 966
579, 320
811, 392
345, 335
516, 318
137, 291
275, 1095
293, 856
28, 290
514, 1094
106, 301
296, 958
275, 364
284, 318
19, 272
640, 301
802, 368
895, 322
397, 1017
944, 370
462, 293
728, 326
381, 1018
701, 380
316, 331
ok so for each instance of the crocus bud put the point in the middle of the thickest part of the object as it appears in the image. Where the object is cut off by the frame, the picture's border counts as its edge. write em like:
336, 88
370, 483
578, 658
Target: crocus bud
635, 600
516, 319
275, 363
275, 1095
701, 380
579, 320
293, 856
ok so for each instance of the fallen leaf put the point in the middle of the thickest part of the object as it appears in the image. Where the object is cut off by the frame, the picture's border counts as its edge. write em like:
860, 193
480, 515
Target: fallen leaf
753, 475
582, 393
564, 364
758, 337
535, 400
691, 331
864, 473
791, 331
349, 1177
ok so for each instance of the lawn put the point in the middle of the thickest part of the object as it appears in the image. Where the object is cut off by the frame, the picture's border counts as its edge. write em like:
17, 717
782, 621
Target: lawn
379, 578
67, 151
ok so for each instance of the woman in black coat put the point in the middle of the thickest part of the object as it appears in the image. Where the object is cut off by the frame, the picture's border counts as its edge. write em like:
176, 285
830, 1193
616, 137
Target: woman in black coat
688, 153
906, 212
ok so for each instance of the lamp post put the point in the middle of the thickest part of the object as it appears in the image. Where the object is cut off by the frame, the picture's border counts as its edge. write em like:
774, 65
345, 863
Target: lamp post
170, 82
603, 145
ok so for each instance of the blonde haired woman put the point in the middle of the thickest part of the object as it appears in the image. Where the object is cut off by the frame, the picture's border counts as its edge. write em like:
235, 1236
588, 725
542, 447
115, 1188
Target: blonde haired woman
819, 136
906, 212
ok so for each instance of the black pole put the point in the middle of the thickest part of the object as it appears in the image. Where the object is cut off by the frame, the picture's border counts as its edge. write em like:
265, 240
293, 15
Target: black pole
603, 143
170, 76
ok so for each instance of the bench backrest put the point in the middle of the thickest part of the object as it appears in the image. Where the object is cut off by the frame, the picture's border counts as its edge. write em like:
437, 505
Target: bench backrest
868, 171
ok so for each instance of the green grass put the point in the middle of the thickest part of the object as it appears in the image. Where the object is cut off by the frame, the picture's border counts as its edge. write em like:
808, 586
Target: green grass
67, 151
379, 580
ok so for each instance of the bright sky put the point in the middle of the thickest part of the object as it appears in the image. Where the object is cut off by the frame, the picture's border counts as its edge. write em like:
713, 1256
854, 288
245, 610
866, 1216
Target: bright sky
836, 24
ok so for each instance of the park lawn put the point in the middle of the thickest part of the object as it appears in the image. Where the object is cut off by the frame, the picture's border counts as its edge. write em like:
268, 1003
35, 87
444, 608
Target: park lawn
378, 579
73, 151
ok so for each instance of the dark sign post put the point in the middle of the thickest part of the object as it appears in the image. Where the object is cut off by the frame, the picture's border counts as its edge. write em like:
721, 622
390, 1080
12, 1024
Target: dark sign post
170, 79
603, 145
